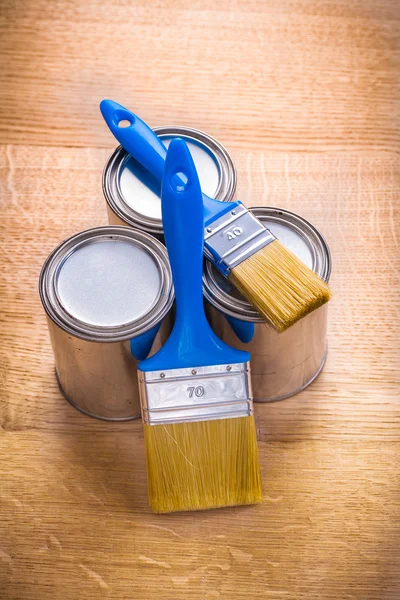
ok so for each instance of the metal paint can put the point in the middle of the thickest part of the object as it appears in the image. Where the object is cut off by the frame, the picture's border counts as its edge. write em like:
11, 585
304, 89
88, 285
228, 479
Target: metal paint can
282, 364
107, 293
133, 194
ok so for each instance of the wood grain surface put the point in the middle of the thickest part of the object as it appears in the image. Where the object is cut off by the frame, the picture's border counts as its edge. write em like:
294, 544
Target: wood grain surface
305, 95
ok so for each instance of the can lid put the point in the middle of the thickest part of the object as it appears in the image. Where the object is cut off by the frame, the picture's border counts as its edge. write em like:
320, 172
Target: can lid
297, 234
107, 283
134, 194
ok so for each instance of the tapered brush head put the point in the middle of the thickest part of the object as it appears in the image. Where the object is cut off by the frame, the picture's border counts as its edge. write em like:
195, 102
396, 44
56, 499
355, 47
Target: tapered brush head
201, 465
279, 285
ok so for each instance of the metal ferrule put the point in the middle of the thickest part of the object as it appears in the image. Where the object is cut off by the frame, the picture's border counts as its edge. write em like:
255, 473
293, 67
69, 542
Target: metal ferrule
234, 237
196, 394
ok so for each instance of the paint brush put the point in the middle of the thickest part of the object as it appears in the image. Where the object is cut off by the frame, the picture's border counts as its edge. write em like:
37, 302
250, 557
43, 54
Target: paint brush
281, 287
197, 410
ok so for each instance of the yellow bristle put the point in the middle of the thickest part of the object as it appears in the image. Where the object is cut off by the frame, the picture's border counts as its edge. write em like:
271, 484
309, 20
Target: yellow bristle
201, 465
279, 285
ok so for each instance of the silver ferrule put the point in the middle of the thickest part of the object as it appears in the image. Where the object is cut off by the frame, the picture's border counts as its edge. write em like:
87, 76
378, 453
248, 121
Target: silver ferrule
196, 394
234, 237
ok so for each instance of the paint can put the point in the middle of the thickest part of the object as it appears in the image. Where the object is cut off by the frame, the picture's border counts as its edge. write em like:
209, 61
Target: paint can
282, 364
133, 194
107, 292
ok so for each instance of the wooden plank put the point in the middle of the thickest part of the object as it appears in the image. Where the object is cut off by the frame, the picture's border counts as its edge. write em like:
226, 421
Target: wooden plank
289, 74
280, 83
74, 523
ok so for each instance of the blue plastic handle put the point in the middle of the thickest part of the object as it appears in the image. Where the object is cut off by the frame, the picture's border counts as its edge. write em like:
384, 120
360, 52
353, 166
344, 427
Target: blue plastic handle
244, 330
192, 341
144, 146
141, 345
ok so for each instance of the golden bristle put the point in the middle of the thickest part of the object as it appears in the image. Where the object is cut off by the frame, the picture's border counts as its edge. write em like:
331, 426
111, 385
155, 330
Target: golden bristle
200, 465
279, 285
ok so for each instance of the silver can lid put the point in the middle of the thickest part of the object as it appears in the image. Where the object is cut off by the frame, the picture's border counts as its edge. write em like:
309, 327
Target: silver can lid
107, 284
294, 232
134, 194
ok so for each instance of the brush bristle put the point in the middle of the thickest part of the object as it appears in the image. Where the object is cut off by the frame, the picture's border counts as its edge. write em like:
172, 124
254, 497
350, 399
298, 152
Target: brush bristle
201, 465
279, 285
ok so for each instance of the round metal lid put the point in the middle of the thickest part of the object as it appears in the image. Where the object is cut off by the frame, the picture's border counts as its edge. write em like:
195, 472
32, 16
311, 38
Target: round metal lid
134, 194
107, 283
296, 233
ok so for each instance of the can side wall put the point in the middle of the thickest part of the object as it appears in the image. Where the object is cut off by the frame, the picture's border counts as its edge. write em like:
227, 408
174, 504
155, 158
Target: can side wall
97, 377
281, 363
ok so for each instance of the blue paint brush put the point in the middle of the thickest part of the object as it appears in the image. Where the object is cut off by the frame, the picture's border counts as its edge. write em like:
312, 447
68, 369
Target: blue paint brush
281, 287
196, 400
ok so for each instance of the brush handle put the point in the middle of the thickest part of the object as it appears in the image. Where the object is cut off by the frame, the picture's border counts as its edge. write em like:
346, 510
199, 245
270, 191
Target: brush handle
182, 215
137, 138
144, 146
192, 341
141, 345
244, 330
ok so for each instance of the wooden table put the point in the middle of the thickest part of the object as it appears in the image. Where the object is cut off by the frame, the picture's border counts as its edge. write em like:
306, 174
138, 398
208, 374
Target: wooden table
305, 95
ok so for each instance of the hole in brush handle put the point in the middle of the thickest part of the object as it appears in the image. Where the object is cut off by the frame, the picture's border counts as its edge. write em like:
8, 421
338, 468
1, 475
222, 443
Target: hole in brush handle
123, 119
179, 181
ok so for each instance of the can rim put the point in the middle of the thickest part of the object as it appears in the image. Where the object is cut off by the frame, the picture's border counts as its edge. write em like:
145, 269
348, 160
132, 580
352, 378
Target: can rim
114, 165
99, 333
240, 308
